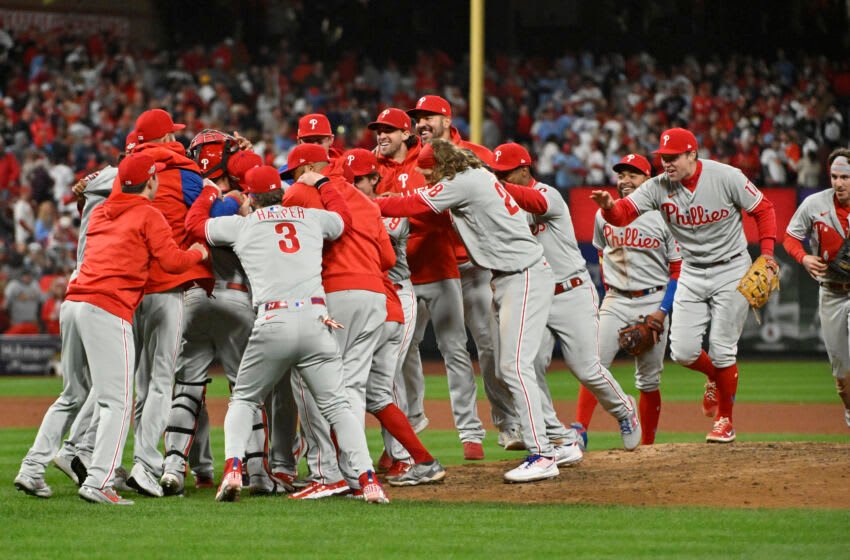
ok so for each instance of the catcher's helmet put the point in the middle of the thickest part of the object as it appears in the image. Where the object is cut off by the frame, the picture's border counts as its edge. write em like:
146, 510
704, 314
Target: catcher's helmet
211, 149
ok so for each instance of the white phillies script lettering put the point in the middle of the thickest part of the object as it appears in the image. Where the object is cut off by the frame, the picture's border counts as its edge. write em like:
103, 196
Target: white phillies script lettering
629, 237
403, 178
350, 160
313, 123
280, 213
696, 216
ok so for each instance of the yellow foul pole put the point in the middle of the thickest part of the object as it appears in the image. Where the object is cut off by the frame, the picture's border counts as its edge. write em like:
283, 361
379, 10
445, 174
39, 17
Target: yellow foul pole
476, 69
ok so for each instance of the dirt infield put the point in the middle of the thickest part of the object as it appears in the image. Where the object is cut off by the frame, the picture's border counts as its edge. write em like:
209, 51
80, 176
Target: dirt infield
747, 475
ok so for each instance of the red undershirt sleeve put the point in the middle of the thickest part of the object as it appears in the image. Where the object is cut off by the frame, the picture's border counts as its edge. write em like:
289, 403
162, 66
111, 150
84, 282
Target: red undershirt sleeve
529, 199
403, 206
765, 218
794, 247
675, 269
621, 214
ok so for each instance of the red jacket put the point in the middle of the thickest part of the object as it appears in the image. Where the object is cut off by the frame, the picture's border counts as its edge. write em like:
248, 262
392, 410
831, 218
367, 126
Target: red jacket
358, 259
180, 184
126, 235
430, 246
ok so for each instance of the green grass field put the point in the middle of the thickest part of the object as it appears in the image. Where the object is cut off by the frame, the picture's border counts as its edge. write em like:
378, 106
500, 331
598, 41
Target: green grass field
197, 527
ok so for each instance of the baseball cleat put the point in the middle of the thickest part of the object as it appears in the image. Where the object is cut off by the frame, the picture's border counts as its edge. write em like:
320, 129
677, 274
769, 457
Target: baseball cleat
709, 400
33, 486
582, 433
285, 480
630, 428
420, 473
119, 482
79, 469
373, 492
231, 482
384, 462
534, 468
511, 440
172, 484
397, 469
105, 496
143, 482
473, 451
204, 480
722, 432
317, 490
568, 454
64, 464
264, 485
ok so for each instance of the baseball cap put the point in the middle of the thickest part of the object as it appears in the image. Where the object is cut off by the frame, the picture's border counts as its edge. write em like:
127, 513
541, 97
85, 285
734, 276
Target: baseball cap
136, 169
362, 162
431, 104
634, 161
426, 159
676, 141
314, 124
393, 117
303, 154
239, 163
262, 179
155, 123
509, 156
131, 142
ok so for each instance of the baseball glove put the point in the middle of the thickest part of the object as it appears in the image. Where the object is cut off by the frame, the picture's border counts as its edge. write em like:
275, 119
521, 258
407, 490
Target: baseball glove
759, 282
641, 336
840, 263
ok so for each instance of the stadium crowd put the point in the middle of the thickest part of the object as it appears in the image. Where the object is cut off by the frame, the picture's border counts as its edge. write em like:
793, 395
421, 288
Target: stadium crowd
69, 100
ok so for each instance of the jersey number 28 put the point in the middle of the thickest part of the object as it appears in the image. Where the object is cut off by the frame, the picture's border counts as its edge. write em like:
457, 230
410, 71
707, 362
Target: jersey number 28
289, 243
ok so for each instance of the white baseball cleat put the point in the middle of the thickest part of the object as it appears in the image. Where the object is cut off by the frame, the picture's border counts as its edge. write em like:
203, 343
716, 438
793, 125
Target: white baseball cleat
511, 440
172, 484
143, 482
630, 428
33, 486
535, 467
105, 496
568, 454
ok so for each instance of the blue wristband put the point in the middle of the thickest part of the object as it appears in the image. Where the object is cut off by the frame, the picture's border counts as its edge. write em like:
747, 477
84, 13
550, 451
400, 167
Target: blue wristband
669, 294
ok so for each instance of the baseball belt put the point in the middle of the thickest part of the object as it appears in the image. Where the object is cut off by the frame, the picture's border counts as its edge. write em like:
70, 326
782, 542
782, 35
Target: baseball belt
715, 263
631, 294
836, 286
291, 304
568, 285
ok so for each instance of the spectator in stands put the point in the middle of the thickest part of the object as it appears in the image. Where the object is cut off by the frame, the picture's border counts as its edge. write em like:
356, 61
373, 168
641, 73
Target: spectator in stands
44, 222
773, 164
808, 170
22, 303
24, 218
50, 309
546, 159
569, 170
10, 171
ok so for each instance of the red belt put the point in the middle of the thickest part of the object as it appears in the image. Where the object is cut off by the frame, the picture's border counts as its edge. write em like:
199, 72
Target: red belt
296, 303
235, 286
568, 285
636, 293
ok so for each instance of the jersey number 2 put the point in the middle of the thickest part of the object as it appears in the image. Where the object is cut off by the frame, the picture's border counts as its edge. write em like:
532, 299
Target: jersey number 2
289, 243
509, 200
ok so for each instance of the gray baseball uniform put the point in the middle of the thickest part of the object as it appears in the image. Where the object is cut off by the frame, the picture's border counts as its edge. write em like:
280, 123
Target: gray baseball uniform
707, 224
574, 315
289, 331
496, 235
635, 263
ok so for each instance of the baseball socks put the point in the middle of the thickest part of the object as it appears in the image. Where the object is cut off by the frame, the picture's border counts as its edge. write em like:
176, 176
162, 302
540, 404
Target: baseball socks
727, 386
703, 364
396, 423
585, 406
650, 409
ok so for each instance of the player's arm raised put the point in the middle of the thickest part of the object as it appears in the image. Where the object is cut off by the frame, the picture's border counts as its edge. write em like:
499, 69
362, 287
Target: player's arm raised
528, 198
332, 200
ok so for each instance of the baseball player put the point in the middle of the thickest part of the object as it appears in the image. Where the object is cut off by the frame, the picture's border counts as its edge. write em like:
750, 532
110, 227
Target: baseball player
573, 317
433, 118
701, 201
405, 448
281, 251
217, 326
125, 234
641, 264
822, 217
159, 317
496, 235
353, 271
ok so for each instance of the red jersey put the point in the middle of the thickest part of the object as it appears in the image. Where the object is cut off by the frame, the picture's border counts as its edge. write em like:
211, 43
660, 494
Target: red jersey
126, 235
179, 184
431, 243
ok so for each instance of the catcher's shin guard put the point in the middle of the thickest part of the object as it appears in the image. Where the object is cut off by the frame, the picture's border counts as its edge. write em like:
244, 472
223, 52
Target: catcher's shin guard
183, 422
257, 453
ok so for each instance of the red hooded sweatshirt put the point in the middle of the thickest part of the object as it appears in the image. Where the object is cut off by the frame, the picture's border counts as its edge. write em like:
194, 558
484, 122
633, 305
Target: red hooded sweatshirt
126, 235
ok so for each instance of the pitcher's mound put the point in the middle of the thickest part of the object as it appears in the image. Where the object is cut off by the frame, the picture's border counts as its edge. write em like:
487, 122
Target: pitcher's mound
747, 475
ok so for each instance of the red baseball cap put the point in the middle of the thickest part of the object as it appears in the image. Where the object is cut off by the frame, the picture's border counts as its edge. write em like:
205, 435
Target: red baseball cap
131, 142
136, 169
262, 179
303, 154
634, 161
154, 124
431, 104
239, 163
426, 159
393, 117
362, 162
314, 124
508, 157
676, 141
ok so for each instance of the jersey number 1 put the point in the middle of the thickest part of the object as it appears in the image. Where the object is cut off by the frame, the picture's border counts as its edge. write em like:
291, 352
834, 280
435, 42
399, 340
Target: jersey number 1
289, 243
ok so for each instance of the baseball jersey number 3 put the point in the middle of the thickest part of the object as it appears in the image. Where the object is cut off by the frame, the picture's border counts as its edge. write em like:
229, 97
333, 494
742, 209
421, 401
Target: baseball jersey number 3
289, 243
509, 201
